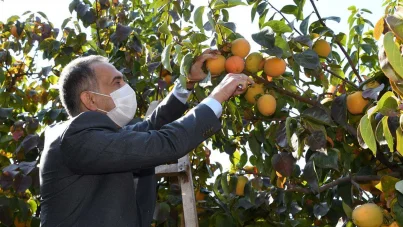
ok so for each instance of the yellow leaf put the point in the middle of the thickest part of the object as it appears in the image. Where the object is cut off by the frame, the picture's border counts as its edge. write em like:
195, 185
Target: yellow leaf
378, 30
399, 140
281, 181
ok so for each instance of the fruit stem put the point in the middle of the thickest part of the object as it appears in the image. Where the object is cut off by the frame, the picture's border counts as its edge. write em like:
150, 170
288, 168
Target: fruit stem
350, 61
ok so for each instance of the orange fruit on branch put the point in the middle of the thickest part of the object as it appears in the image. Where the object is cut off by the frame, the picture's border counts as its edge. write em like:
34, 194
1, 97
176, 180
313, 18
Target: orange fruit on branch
254, 62
240, 47
234, 64
251, 93
200, 195
274, 66
322, 48
168, 79
240, 185
356, 103
14, 32
216, 66
368, 215
266, 104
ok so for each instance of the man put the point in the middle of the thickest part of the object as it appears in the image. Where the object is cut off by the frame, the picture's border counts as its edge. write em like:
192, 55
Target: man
88, 162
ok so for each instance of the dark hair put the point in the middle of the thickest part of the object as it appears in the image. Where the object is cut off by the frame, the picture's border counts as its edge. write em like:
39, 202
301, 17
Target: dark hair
76, 77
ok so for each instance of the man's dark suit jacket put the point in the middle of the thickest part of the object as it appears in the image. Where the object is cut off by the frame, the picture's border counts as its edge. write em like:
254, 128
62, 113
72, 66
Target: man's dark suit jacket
88, 164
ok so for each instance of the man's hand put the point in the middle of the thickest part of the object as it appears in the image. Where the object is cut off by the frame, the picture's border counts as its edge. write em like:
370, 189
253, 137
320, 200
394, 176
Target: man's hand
196, 72
231, 85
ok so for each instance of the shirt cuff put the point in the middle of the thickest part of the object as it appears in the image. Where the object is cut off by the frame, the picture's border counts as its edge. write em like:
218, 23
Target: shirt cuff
181, 93
214, 105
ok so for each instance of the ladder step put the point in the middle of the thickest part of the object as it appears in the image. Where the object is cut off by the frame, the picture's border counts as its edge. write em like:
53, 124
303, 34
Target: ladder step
171, 170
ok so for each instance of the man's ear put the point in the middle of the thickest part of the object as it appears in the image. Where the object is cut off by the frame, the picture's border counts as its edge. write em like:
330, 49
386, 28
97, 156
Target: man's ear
87, 100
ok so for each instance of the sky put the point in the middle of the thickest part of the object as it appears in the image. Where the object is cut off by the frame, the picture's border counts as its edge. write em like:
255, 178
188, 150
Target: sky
57, 11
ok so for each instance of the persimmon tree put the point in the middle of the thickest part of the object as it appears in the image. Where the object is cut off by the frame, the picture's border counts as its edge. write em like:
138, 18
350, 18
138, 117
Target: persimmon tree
315, 142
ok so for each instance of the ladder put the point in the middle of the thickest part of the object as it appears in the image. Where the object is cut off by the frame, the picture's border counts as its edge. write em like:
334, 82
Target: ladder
183, 171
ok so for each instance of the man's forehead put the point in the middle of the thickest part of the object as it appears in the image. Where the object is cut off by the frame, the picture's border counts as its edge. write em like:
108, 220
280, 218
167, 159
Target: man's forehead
104, 70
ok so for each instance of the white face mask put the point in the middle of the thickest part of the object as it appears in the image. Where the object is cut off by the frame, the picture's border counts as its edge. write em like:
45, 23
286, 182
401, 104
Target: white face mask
125, 105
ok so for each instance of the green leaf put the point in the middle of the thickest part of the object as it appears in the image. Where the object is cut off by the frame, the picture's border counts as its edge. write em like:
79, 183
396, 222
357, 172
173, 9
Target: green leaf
224, 183
198, 17
223, 220
379, 134
161, 212
2, 76
166, 57
5, 112
264, 38
243, 160
290, 9
393, 53
387, 133
278, 26
12, 19
216, 190
381, 103
396, 25
235, 157
334, 80
388, 107
308, 59
67, 20
337, 19
367, 133
288, 129
164, 29
321, 209
398, 211
253, 12
317, 141
304, 25
347, 209
198, 38
311, 176
186, 64
329, 160
254, 145
43, 15
280, 42
222, 4
318, 115
182, 80
53, 79
300, 4
73, 5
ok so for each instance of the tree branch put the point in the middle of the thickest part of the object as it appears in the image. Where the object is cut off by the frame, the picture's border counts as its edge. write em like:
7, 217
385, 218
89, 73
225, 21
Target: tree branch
340, 181
97, 27
160, 73
384, 160
278, 11
285, 92
350, 61
341, 78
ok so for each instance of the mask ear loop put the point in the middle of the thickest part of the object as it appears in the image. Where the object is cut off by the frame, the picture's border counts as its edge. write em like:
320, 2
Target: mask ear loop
101, 95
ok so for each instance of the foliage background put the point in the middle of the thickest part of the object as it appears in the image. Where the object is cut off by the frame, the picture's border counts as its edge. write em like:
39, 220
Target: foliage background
340, 167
